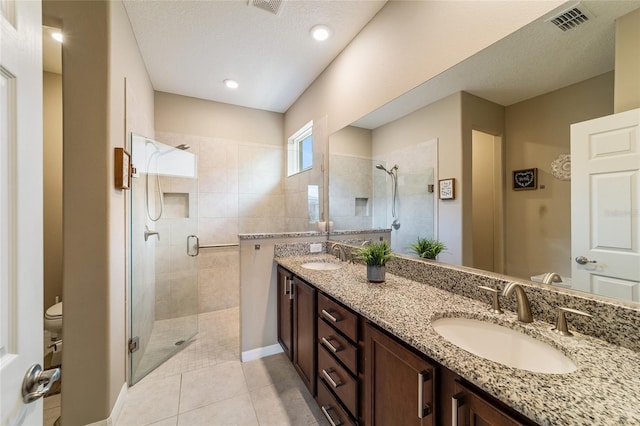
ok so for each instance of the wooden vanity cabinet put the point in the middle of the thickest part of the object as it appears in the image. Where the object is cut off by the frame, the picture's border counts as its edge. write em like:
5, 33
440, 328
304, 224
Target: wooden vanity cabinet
285, 311
362, 375
400, 384
304, 332
338, 358
474, 407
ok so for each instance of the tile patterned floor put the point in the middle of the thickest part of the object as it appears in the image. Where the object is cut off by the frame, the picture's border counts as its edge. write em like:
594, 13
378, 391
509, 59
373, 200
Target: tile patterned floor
206, 384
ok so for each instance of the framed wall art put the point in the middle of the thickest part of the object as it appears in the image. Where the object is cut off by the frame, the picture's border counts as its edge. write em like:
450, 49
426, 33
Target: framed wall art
525, 179
447, 189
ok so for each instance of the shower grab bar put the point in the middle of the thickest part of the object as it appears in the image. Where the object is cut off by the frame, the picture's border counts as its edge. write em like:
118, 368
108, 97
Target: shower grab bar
217, 246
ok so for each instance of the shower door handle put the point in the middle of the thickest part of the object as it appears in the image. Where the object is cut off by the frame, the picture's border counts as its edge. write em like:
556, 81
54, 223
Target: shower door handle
197, 245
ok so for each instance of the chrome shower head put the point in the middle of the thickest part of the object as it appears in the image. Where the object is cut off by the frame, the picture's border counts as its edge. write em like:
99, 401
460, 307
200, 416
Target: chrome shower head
381, 167
390, 172
181, 147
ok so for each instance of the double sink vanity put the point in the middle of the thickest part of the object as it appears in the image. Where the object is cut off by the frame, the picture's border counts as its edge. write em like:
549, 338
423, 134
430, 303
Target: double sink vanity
421, 349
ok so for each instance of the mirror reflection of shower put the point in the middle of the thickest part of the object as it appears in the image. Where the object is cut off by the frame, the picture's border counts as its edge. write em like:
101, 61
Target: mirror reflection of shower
154, 157
394, 193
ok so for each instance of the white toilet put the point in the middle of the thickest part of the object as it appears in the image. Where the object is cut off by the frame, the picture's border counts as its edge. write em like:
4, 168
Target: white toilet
53, 321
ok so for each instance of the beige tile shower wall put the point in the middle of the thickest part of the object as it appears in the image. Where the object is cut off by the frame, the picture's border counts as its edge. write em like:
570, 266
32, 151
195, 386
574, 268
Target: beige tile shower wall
261, 197
143, 274
239, 190
176, 273
241, 186
351, 178
218, 279
442, 121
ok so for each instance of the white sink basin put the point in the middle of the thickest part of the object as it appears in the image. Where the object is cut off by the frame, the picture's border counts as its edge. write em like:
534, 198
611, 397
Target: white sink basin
503, 345
321, 266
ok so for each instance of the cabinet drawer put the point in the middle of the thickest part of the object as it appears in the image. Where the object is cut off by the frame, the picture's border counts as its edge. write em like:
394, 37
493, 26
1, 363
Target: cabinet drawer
340, 347
339, 380
331, 408
338, 316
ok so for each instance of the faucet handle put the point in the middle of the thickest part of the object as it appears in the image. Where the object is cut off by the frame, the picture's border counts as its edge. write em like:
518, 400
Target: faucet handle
561, 325
495, 305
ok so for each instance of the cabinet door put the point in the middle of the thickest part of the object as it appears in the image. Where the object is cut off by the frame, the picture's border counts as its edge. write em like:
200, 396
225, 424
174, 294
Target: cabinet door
473, 409
304, 332
400, 385
285, 311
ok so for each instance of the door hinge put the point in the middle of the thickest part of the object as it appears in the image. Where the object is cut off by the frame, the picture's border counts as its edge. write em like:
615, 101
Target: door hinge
134, 344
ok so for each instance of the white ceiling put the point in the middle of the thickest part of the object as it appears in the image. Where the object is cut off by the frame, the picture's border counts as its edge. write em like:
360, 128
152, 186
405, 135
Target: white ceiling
190, 47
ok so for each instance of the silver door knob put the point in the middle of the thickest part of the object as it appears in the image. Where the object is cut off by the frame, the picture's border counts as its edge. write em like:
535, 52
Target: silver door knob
34, 378
583, 260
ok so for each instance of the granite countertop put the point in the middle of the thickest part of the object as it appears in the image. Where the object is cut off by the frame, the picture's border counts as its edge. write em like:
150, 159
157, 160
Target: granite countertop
604, 390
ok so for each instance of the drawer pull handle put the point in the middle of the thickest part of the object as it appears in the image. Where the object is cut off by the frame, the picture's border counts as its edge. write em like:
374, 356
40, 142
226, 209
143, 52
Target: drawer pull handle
328, 344
327, 375
329, 316
325, 410
457, 401
423, 409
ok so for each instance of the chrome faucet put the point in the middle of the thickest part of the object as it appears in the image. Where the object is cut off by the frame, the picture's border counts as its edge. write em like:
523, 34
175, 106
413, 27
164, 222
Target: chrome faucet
524, 307
341, 254
148, 233
551, 277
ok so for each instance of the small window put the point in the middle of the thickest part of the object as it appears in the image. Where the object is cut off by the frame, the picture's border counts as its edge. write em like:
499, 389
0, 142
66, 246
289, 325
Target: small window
300, 150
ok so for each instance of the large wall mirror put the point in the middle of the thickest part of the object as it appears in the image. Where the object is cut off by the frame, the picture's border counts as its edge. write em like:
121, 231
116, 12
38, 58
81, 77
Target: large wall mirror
505, 109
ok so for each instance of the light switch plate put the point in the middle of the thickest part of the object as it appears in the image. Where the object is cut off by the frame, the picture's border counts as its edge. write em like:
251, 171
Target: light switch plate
315, 247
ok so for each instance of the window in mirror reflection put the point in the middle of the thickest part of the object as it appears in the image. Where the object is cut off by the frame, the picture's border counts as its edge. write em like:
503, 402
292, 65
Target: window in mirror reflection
313, 195
300, 150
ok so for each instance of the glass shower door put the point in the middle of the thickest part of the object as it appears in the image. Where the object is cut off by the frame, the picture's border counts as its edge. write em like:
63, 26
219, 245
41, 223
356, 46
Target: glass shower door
164, 276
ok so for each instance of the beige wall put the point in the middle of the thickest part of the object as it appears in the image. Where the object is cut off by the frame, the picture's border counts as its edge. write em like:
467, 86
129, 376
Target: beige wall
627, 85
488, 117
130, 110
413, 42
538, 223
98, 53
85, 389
351, 141
483, 183
52, 170
441, 120
186, 115
450, 120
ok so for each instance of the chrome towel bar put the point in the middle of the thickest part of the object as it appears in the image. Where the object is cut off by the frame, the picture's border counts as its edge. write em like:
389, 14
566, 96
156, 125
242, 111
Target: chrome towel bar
217, 246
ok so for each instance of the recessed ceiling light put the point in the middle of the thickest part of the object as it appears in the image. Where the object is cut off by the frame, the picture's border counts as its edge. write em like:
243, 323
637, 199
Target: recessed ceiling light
320, 32
231, 84
57, 36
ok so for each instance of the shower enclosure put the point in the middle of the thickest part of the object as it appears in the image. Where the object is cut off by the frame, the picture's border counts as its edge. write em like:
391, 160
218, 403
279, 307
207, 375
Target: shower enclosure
163, 299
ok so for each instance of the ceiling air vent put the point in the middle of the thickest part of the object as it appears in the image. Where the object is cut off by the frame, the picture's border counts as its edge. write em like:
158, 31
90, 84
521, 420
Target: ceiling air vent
272, 6
571, 18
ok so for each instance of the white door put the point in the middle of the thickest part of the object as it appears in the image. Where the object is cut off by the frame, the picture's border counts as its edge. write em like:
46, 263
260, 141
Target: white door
20, 206
605, 205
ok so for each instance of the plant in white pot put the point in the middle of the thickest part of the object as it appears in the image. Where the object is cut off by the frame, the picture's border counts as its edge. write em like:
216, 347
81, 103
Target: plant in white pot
427, 248
376, 256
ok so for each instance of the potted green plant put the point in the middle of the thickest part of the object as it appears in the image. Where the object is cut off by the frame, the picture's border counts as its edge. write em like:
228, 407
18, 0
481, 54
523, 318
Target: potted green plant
376, 256
427, 248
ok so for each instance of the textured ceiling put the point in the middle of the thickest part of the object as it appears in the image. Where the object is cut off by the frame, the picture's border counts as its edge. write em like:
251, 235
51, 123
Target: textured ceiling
190, 47
537, 59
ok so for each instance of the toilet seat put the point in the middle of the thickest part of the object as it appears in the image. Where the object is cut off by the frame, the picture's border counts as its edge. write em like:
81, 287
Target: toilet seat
54, 312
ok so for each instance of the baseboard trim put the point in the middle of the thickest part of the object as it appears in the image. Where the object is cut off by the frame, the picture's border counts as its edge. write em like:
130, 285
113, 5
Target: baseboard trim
115, 412
261, 352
